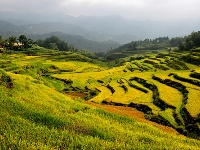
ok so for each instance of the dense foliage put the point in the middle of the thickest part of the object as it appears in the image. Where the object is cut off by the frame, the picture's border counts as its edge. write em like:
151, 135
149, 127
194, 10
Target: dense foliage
54, 43
192, 41
151, 44
12, 43
134, 47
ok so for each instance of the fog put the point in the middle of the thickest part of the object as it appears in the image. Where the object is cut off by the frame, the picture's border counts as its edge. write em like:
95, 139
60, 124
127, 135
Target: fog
170, 10
117, 20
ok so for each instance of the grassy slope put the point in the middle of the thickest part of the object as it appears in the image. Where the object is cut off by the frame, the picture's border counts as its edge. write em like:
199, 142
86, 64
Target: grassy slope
34, 116
112, 76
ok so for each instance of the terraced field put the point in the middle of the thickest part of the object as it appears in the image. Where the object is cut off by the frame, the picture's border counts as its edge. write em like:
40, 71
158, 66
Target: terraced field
148, 86
166, 90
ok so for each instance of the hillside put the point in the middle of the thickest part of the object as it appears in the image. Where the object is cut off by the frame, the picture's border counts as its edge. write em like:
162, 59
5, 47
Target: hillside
162, 85
71, 34
156, 45
45, 27
42, 102
79, 42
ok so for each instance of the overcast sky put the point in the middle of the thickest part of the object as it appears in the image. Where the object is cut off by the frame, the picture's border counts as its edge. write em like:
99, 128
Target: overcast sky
132, 9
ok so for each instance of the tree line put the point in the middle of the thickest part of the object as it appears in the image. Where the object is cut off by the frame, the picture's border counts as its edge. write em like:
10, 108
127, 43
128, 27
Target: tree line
14, 43
54, 43
23, 43
151, 44
192, 41
185, 43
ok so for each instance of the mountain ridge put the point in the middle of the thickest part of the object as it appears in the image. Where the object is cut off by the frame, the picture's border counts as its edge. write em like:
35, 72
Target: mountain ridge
79, 41
110, 25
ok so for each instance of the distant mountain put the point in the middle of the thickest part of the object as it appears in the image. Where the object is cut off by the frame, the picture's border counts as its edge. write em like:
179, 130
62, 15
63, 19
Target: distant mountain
8, 29
93, 28
99, 28
79, 41
71, 34
47, 27
6, 26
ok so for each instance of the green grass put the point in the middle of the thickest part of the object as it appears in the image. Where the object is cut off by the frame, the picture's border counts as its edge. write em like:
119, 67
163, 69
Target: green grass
193, 104
58, 85
50, 120
169, 95
104, 94
35, 115
168, 114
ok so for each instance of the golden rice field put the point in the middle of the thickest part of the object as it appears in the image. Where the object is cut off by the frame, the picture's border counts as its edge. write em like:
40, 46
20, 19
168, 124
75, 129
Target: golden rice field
168, 114
169, 95
193, 104
127, 94
104, 94
75, 66
159, 102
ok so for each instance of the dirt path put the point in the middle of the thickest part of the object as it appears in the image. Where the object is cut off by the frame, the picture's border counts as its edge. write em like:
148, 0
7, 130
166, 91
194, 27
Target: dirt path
135, 114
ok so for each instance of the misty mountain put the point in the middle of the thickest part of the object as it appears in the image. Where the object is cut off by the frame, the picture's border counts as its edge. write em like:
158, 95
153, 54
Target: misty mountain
68, 28
99, 28
78, 41
93, 28
71, 34
6, 26
8, 29
47, 27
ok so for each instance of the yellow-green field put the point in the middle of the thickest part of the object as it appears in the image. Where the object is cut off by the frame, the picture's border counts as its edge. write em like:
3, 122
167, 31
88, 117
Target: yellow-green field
38, 113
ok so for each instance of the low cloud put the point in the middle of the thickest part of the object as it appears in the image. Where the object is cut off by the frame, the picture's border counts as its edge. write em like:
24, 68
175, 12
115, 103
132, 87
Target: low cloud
133, 9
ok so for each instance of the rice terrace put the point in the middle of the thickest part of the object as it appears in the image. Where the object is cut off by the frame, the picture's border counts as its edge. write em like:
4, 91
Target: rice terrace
142, 95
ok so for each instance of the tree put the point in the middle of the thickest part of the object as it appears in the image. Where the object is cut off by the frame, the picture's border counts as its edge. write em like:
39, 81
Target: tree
132, 46
54, 42
191, 41
24, 41
181, 46
11, 41
195, 37
1, 43
30, 42
53, 46
176, 41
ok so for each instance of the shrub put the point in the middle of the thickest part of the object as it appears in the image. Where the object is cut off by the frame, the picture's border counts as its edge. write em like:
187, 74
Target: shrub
191, 81
195, 75
110, 88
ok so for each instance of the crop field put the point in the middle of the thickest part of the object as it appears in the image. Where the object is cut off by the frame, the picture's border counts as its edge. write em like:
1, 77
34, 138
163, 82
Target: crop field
165, 90
133, 85
193, 104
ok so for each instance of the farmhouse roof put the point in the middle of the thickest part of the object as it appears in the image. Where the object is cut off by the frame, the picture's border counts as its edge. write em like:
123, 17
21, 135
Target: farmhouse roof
17, 44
